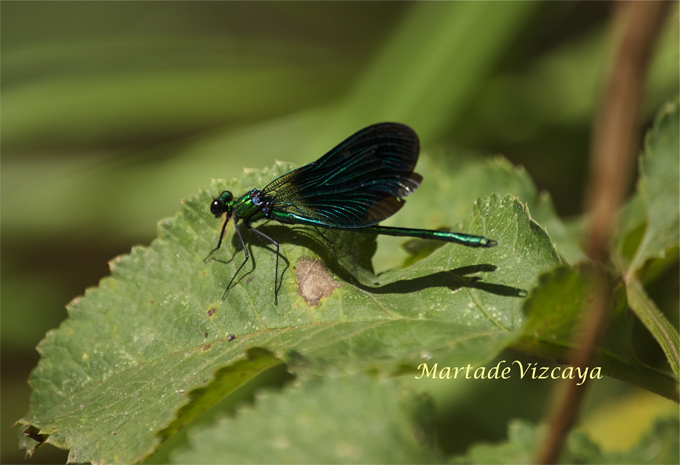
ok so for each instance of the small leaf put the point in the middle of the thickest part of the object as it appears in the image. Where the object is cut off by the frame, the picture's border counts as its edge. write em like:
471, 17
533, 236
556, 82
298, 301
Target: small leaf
659, 190
659, 187
335, 420
554, 311
658, 446
443, 200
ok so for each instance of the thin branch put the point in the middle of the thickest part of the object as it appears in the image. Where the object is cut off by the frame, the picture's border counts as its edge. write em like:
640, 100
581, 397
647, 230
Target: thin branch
613, 155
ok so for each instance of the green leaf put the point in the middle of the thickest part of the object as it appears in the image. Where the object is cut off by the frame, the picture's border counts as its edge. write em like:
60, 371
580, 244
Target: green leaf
659, 192
554, 311
658, 446
337, 420
659, 187
445, 200
225, 381
121, 367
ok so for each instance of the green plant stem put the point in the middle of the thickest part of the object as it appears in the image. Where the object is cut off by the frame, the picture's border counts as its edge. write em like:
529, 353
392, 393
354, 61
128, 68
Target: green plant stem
654, 321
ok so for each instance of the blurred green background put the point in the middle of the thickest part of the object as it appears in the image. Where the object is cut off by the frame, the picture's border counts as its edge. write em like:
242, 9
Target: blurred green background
112, 112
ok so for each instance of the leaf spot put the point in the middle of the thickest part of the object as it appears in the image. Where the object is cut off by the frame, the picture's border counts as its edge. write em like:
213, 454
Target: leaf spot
314, 281
211, 311
205, 348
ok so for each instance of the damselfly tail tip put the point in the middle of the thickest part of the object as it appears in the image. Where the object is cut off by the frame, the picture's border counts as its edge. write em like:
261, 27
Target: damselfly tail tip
490, 243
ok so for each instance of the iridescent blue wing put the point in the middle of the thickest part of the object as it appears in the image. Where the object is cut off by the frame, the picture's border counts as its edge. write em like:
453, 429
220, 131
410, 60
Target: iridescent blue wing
358, 183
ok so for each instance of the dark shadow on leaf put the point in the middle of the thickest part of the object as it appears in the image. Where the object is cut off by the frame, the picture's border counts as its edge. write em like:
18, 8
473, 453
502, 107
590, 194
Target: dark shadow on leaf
452, 279
499, 289
308, 238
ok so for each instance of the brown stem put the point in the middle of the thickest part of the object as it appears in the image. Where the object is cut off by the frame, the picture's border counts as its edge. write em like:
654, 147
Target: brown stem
613, 154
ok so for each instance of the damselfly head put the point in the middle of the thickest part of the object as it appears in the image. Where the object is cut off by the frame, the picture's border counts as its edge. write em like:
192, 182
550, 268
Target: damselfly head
224, 203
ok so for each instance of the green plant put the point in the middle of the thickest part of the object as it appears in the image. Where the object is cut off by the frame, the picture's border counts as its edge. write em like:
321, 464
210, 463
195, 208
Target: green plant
144, 367
149, 349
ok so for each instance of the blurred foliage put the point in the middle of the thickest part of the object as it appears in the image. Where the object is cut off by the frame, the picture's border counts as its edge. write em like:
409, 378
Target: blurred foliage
113, 112
326, 421
660, 445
